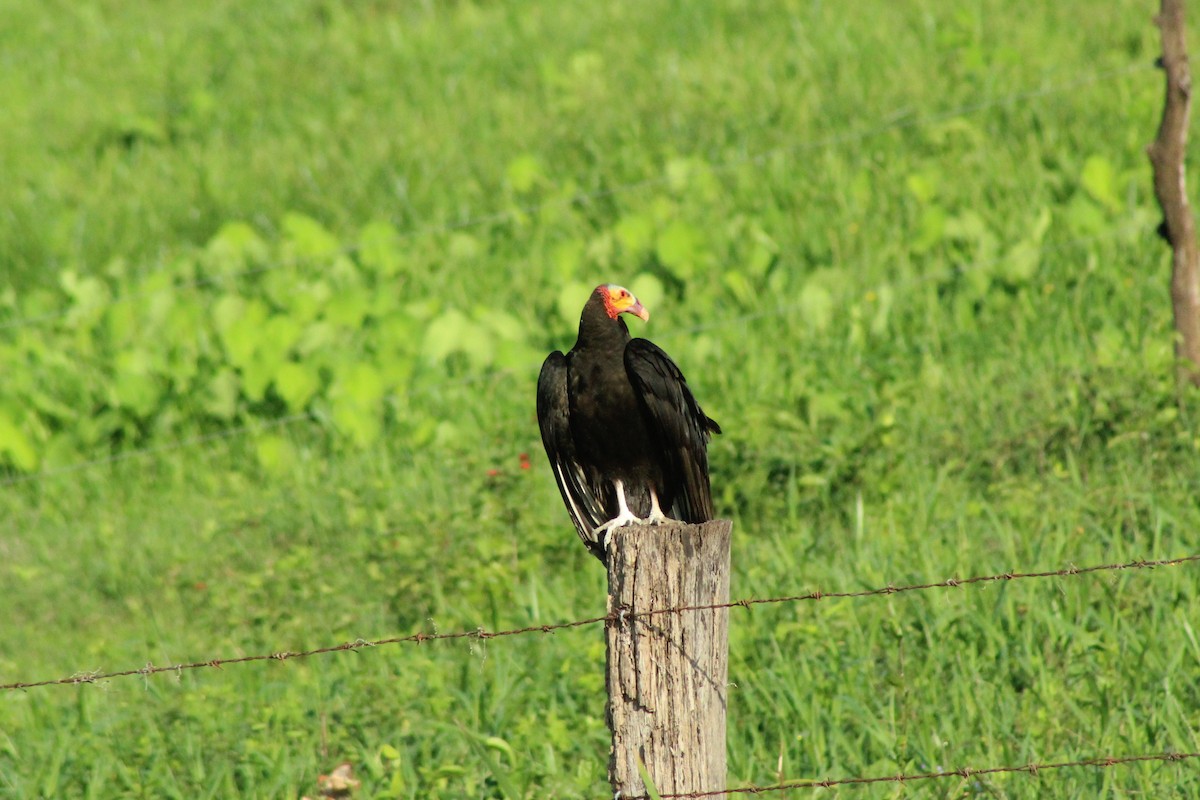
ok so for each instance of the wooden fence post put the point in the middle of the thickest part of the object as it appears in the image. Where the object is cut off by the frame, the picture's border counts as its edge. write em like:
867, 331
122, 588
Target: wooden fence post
667, 672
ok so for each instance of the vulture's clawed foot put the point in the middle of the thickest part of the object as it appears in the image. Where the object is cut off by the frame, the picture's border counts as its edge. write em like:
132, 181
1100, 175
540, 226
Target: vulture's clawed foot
603, 532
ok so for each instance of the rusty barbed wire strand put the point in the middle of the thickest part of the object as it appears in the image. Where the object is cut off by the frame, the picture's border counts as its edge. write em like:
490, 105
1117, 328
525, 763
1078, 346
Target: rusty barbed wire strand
620, 616
964, 773
948, 583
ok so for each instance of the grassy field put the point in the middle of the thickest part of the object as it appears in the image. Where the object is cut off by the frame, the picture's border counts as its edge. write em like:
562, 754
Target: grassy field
275, 283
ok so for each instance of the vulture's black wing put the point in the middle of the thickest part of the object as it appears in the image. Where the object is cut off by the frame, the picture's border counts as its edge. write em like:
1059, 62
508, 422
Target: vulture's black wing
582, 490
680, 426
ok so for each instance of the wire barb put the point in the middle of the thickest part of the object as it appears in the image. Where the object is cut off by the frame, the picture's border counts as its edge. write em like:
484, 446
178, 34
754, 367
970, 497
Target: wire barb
623, 616
965, 773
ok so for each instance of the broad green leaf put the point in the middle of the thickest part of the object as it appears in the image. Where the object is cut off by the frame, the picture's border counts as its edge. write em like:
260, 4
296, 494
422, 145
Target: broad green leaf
1021, 263
523, 172
678, 172
444, 335
454, 332
134, 385
227, 310
348, 307
931, 229
256, 377
117, 269
1099, 179
380, 249
600, 251
635, 233
737, 286
396, 333
235, 247
1085, 218
504, 325
122, 323
37, 302
763, 251
16, 445
516, 355
53, 401
649, 291
275, 453
243, 334
363, 425
567, 257
359, 382
307, 239
139, 393
967, 226
464, 247
88, 291
343, 273
816, 306
826, 406
678, 247
277, 338
64, 449
296, 384
89, 298
395, 368
923, 185
317, 336
307, 301
220, 398
571, 298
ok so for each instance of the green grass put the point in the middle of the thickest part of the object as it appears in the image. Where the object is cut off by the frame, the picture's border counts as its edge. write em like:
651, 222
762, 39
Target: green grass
905, 256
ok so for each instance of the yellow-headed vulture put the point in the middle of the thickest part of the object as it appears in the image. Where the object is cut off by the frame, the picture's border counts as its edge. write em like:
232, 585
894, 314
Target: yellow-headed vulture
626, 439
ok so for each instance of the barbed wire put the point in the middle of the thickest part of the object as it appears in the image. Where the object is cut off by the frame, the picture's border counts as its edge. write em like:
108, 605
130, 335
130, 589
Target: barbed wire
618, 616
964, 773
897, 120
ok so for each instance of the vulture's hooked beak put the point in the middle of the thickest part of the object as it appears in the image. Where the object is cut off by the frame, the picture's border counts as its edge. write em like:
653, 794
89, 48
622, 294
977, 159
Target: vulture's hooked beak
639, 311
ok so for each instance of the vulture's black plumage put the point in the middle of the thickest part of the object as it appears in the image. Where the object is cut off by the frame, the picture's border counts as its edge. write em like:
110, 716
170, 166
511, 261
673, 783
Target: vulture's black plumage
626, 439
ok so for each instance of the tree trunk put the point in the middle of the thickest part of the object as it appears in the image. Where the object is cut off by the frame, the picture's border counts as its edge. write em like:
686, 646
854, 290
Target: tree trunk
667, 671
1170, 187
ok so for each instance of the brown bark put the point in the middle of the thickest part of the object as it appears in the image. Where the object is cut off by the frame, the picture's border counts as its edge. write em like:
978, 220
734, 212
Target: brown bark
1170, 187
667, 672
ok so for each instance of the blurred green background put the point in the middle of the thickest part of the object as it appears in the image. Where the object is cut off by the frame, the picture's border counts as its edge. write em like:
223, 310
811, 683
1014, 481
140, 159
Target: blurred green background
276, 281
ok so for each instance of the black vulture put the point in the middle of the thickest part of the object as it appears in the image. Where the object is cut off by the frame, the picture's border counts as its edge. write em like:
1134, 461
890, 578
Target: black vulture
626, 439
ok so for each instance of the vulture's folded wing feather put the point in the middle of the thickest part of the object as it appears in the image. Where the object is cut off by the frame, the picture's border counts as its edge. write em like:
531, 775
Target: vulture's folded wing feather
582, 492
680, 426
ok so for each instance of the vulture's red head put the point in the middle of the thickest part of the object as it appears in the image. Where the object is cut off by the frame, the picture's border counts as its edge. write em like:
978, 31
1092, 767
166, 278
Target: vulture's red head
619, 300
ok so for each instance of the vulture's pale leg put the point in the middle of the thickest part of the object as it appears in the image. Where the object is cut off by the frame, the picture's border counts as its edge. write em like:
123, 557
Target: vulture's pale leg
657, 517
624, 516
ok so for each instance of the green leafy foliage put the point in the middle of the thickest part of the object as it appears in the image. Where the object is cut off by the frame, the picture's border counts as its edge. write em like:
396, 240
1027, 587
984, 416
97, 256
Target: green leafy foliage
247, 328
275, 282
